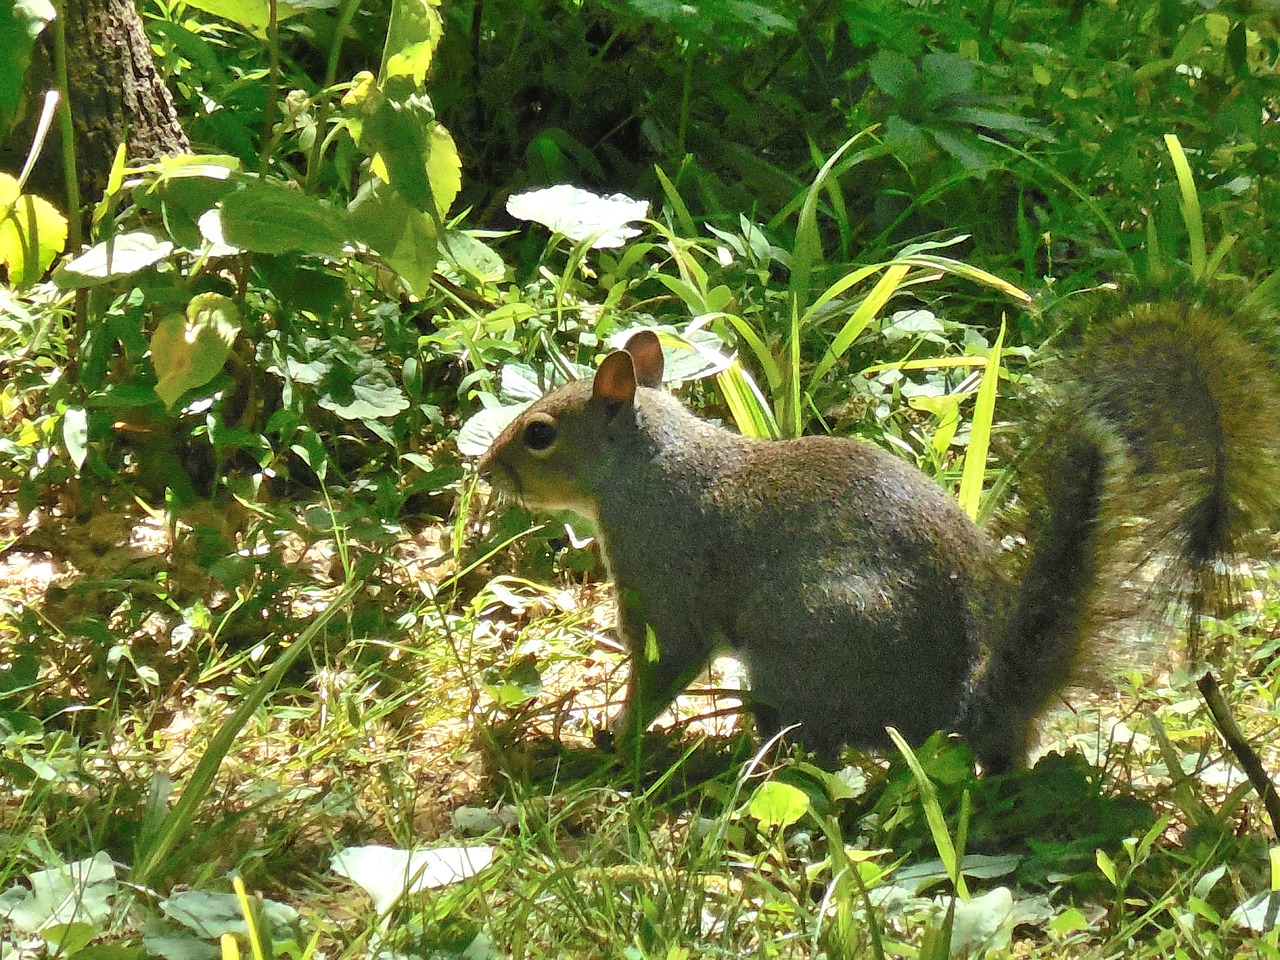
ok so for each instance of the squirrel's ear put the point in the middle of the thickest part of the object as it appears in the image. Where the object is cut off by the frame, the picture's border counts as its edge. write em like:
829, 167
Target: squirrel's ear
615, 381
646, 355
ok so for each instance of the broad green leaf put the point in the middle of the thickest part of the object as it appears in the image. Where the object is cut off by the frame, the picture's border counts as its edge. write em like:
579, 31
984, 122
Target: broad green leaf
398, 135
405, 238
472, 255
444, 168
78, 892
776, 804
188, 351
364, 390
121, 256
270, 217
68, 939
895, 74
211, 913
21, 21
983, 925
255, 15
412, 36
479, 432
32, 233
727, 18
189, 191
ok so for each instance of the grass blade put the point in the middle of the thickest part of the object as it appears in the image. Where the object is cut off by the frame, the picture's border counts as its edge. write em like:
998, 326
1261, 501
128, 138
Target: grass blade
153, 851
1189, 204
885, 288
975, 461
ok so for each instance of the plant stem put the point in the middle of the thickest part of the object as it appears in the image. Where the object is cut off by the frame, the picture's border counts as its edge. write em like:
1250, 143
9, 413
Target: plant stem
75, 230
273, 84
345, 15
71, 179
1244, 753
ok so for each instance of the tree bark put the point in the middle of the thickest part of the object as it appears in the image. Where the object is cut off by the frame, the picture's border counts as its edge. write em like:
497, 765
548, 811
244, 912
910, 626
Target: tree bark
116, 92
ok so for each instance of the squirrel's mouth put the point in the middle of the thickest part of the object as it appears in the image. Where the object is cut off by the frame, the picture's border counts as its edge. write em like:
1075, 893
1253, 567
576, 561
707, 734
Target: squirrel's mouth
504, 481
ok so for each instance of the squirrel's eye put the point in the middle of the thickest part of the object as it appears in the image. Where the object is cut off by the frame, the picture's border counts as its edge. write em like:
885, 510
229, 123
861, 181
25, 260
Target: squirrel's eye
539, 435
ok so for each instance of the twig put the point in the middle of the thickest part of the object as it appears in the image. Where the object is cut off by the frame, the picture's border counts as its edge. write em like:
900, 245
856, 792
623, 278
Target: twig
1244, 753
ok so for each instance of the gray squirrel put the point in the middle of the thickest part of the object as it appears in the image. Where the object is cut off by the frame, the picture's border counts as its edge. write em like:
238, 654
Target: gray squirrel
855, 591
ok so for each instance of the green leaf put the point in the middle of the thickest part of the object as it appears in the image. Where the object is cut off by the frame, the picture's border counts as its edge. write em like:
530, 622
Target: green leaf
946, 75
473, 256
211, 914
748, 405
975, 461
776, 804
1107, 866
397, 134
444, 168
19, 26
269, 217
405, 238
121, 256
893, 73
68, 939
189, 351
1189, 204
412, 35
933, 814
32, 233
372, 395
64, 895
254, 15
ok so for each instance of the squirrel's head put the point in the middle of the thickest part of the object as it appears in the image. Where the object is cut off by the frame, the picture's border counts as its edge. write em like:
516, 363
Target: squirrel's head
549, 454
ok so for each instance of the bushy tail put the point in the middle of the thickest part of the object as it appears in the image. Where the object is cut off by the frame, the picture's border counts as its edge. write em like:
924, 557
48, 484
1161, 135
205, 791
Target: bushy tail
1165, 456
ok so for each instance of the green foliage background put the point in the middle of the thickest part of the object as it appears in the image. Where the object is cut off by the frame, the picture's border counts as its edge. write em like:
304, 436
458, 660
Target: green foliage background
865, 218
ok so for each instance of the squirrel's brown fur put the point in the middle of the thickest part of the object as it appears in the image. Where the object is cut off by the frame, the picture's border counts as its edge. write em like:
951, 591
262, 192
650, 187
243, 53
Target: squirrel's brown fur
855, 591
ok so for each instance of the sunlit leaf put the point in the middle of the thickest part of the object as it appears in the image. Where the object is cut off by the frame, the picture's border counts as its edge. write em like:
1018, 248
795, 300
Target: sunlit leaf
387, 873
255, 15
32, 233
444, 168
189, 351
121, 256
412, 36
776, 804
405, 238
580, 214
75, 434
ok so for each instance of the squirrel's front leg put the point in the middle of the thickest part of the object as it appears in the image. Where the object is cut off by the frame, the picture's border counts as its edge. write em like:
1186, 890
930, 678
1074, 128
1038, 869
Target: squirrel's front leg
665, 657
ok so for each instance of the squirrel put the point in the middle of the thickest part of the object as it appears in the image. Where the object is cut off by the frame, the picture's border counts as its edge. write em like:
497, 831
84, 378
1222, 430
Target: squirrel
854, 590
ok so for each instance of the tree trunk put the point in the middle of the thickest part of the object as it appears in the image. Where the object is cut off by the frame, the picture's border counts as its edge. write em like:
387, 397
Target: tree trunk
115, 91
